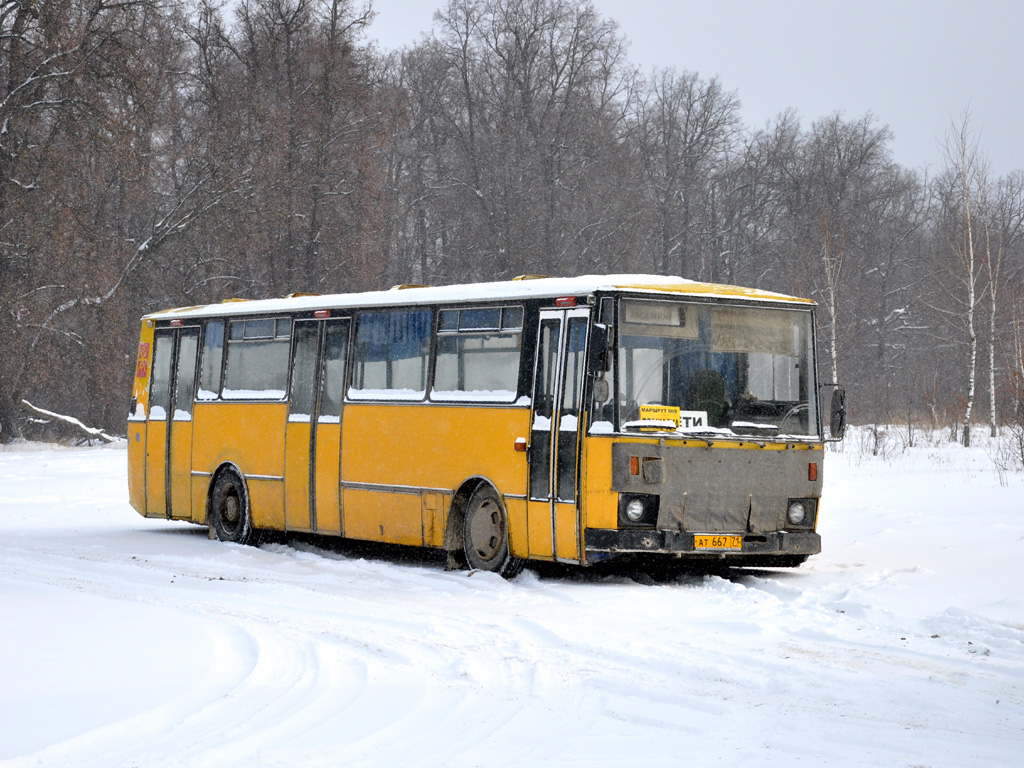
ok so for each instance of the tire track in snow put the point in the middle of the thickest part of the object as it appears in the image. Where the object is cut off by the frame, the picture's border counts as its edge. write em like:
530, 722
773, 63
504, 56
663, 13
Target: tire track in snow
321, 660
305, 669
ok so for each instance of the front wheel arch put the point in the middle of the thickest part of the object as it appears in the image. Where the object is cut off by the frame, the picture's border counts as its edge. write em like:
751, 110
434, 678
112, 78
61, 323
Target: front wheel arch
456, 514
486, 542
228, 510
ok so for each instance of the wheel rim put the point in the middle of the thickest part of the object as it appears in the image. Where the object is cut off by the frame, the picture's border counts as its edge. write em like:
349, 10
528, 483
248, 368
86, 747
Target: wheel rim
486, 530
230, 511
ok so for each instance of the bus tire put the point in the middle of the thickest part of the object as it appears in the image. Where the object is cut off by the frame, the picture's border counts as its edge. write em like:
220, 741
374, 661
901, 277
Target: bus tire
230, 515
485, 535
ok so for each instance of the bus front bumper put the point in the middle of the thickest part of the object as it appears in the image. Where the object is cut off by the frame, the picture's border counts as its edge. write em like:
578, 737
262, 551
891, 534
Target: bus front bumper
602, 541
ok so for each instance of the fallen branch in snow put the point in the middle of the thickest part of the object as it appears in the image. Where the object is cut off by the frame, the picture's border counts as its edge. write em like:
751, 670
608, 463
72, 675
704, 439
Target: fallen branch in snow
92, 432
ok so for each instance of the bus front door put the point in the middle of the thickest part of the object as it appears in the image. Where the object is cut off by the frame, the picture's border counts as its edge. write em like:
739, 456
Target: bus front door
553, 519
169, 427
312, 473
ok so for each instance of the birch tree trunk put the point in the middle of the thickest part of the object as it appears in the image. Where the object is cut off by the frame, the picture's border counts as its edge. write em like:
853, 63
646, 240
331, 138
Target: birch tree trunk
1006, 218
972, 333
962, 154
993, 277
833, 262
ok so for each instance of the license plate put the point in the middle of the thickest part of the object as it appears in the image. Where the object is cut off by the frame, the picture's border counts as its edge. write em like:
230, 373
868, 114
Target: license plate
717, 542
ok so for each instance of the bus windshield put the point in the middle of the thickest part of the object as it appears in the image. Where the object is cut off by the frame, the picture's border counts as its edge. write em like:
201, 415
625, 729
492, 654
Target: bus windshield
728, 369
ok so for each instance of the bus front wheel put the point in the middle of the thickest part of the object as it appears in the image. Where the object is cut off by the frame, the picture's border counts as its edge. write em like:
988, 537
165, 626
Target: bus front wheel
485, 535
229, 509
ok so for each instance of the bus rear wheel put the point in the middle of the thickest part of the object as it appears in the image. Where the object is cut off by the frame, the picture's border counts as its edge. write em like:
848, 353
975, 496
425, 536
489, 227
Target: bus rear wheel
485, 535
229, 509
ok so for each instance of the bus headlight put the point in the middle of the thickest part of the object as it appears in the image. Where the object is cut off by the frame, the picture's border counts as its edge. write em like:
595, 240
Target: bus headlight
635, 510
797, 512
638, 510
802, 513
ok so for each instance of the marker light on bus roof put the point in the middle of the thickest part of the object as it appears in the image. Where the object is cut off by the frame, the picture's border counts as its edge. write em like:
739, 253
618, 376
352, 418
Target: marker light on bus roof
565, 301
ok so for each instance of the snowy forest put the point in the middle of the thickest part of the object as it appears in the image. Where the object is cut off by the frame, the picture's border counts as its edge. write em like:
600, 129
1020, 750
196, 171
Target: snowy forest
159, 153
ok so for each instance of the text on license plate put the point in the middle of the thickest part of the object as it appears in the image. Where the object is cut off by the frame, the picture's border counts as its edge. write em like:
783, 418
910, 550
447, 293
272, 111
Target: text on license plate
717, 542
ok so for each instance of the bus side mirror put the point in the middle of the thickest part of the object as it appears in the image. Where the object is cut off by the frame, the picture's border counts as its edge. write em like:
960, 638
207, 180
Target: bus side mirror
597, 363
837, 422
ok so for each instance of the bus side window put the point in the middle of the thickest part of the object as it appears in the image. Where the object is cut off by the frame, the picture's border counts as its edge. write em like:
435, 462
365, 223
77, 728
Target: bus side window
478, 353
303, 371
335, 352
392, 349
257, 359
213, 355
577, 342
160, 381
184, 389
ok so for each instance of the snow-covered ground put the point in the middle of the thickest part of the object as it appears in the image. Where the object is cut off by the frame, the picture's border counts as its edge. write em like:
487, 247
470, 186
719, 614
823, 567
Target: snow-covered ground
133, 642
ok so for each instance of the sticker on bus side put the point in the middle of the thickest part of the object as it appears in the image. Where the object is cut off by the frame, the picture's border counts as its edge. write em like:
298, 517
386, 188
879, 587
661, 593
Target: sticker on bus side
142, 369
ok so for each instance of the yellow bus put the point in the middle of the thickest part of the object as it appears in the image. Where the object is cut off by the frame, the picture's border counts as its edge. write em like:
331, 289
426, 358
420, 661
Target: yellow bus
553, 419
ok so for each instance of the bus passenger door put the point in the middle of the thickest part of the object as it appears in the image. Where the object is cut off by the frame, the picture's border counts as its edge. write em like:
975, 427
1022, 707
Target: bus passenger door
327, 443
312, 481
553, 520
179, 452
169, 428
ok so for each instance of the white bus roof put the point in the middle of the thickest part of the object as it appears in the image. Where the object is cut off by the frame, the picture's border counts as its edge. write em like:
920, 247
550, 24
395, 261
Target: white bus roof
533, 288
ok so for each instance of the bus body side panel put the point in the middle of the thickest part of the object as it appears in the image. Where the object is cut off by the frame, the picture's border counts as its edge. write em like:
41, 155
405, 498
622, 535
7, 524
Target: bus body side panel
519, 543
328, 475
296, 474
434, 514
566, 537
250, 436
383, 516
137, 422
408, 452
600, 502
137, 466
181, 470
156, 469
200, 490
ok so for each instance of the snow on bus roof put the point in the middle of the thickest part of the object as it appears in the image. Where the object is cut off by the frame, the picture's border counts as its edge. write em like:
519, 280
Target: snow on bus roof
534, 288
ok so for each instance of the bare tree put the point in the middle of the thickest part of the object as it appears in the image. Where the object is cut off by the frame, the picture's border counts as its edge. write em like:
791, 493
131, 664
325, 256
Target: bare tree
128, 126
77, 98
516, 111
684, 128
961, 271
830, 196
1003, 226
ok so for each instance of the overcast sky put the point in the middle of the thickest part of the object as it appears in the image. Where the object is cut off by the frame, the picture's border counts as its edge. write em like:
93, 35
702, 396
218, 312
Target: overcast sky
915, 64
